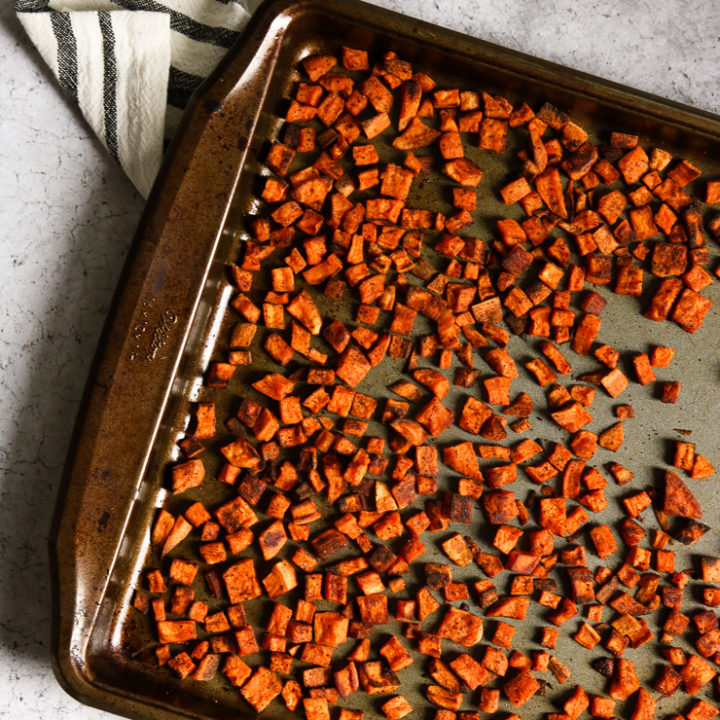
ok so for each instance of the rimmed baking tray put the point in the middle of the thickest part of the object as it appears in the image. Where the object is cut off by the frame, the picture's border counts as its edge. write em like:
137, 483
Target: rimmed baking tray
169, 311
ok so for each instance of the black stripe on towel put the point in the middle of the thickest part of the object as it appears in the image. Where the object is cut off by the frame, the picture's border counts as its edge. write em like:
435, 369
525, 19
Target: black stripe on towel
219, 37
31, 5
109, 83
181, 86
66, 53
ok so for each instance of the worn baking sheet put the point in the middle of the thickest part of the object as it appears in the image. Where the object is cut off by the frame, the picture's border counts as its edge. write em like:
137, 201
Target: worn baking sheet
159, 348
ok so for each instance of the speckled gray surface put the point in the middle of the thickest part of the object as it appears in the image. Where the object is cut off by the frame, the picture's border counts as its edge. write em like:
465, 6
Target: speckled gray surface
67, 215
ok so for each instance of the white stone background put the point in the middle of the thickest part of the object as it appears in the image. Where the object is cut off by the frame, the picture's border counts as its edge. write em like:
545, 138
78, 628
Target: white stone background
67, 216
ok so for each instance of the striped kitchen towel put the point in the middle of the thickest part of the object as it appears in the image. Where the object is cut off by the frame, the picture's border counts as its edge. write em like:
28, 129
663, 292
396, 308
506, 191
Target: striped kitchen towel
132, 65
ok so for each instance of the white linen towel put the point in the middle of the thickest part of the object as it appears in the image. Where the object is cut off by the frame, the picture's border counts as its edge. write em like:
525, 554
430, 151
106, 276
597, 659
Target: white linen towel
132, 65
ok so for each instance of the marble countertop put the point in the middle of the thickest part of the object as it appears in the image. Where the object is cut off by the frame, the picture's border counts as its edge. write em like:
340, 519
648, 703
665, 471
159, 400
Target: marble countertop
67, 216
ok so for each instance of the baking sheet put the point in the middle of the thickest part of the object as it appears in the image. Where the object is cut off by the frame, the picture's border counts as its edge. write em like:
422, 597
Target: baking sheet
116, 662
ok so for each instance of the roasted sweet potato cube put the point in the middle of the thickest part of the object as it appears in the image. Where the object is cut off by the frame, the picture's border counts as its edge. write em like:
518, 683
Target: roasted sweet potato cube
179, 529
683, 173
521, 688
624, 681
493, 133
702, 468
395, 708
670, 391
373, 608
612, 438
543, 374
261, 688
679, 500
498, 390
318, 65
586, 333
352, 366
696, 673
330, 628
462, 458
607, 356
377, 679
182, 665
690, 311
354, 59
272, 539
556, 358
236, 670
572, 417
633, 165
469, 671
461, 627
395, 654
614, 382
443, 698
553, 513
603, 541
416, 135
577, 703
187, 475
500, 506
515, 191
176, 631
463, 171
241, 581
396, 182
457, 550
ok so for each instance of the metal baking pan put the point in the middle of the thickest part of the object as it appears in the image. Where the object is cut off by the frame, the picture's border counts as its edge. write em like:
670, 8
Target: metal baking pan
169, 311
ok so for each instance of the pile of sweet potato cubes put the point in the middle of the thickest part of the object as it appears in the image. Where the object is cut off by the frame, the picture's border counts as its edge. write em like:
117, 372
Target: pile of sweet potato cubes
385, 505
